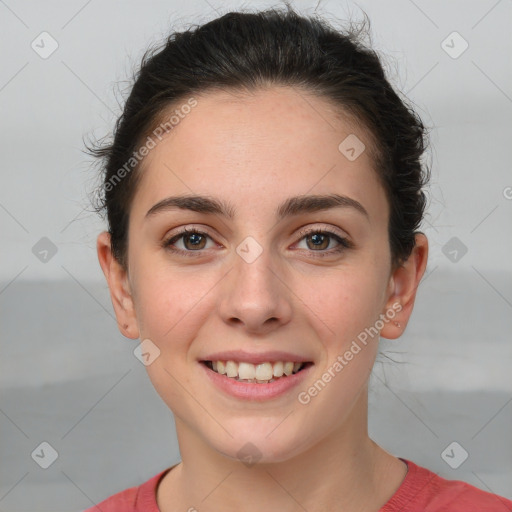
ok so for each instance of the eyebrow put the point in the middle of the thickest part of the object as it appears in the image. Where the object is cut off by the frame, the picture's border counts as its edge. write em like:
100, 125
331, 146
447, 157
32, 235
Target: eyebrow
292, 206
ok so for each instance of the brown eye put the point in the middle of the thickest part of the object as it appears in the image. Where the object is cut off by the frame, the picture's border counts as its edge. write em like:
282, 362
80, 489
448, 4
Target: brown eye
318, 241
197, 240
192, 240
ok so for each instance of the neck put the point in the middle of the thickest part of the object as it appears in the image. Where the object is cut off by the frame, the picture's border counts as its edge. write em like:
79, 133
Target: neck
341, 472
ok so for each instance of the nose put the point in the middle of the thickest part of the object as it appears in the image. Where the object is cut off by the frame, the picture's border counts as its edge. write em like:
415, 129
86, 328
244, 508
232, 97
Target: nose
255, 296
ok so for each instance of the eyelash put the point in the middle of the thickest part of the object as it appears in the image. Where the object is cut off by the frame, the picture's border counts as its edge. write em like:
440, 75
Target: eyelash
344, 243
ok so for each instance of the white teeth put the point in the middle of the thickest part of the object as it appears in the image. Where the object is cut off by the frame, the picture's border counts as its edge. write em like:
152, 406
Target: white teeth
261, 373
231, 369
278, 369
246, 371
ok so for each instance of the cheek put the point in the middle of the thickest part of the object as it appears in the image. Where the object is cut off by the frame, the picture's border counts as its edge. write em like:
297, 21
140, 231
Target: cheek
172, 305
344, 302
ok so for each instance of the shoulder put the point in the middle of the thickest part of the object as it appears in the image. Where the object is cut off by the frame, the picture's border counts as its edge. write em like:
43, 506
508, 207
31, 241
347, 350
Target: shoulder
425, 491
134, 499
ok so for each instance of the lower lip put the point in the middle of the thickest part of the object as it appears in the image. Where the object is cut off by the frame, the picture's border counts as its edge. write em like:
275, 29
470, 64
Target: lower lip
253, 390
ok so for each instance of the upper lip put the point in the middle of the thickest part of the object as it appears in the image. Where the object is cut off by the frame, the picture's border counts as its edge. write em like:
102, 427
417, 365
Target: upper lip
255, 358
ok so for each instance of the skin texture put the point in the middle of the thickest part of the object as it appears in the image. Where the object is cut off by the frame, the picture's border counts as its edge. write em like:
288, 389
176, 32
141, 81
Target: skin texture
254, 151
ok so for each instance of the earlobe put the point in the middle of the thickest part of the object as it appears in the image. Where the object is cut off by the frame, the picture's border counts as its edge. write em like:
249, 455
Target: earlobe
119, 286
403, 286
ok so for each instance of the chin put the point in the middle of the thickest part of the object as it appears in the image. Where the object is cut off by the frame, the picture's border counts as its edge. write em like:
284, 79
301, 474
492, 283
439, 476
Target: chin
257, 446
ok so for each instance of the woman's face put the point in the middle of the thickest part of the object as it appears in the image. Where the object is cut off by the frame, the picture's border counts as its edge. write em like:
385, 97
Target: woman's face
254, 283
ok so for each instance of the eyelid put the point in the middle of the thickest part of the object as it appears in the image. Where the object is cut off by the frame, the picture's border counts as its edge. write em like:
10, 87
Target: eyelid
324, 228
193, 228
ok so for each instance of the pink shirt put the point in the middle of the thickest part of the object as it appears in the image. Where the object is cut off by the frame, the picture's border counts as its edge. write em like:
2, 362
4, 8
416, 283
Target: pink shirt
421, 491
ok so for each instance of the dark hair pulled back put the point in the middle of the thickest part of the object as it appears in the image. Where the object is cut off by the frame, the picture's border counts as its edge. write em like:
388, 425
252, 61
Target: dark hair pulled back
249, 51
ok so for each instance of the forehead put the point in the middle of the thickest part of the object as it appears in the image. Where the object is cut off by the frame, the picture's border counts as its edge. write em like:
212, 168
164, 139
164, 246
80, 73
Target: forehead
269, 115
261, 145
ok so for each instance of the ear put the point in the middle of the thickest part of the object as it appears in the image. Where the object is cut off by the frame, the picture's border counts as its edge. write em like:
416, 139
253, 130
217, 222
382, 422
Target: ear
403, 283
118, 283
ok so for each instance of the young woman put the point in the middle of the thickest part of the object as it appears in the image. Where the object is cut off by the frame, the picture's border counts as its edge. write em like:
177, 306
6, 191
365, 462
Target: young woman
264, 193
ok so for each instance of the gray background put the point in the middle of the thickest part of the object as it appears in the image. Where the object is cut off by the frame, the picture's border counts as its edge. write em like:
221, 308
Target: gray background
68, 377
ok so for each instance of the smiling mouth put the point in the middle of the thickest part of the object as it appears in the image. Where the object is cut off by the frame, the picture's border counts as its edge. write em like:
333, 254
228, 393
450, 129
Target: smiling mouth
262, 373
